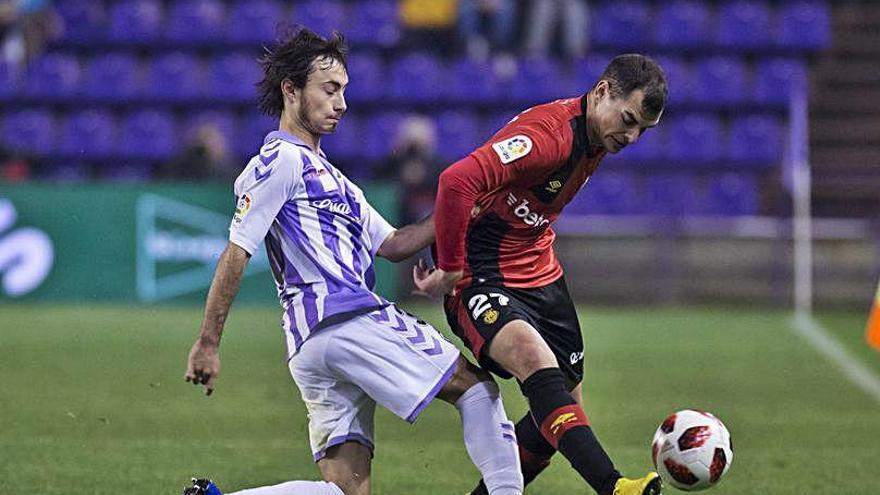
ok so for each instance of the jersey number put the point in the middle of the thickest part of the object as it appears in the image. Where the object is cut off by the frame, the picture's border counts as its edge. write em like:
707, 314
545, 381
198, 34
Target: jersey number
479, 303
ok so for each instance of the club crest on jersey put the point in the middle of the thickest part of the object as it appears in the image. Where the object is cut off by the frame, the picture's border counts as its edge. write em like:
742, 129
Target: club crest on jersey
513, 148
242, 207
490, 316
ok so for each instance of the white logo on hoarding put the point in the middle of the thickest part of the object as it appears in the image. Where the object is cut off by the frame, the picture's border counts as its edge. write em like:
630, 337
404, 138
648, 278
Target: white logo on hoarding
26, 254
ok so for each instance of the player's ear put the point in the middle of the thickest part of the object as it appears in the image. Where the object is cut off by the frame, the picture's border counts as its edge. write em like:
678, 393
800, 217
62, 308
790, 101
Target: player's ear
602, 89
288, 90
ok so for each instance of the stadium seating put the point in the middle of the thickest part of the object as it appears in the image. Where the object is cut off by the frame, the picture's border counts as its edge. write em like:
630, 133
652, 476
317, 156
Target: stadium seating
732, 194
233, 77
607, 193
175, 76
624, 24
744, 24
683, 23
89, 133
253, 21
134, 77
54, 76
373, 22
191, 21
135, 21
148, 134
112, 77
671, 195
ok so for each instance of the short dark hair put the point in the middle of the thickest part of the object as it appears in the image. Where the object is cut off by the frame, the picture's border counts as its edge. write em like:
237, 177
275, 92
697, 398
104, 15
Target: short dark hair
632, 71
293, 58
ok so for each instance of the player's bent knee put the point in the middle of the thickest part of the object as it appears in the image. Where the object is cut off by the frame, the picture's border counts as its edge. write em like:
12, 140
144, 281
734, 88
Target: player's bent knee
521, 350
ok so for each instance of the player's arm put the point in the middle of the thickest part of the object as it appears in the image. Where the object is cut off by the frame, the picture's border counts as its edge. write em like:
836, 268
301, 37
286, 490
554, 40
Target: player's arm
204, 357
408, 240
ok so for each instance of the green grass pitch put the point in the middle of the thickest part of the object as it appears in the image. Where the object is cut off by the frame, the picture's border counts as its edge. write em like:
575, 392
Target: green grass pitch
92, 401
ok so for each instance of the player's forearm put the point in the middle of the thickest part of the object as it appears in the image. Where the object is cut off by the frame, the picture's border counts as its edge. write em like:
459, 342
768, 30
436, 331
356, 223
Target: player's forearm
224, 287
408, 240
456, 198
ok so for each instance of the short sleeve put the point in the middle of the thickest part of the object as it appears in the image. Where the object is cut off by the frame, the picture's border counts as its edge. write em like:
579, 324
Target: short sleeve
261, 192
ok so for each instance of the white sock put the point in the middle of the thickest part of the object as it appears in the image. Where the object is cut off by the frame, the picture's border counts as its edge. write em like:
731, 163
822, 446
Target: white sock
490, 439
294, 488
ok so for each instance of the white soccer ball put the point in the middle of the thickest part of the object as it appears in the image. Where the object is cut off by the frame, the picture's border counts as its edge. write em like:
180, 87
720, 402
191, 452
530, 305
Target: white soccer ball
692, 450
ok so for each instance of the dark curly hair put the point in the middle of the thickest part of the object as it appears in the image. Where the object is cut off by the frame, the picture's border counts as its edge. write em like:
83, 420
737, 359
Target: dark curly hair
294, 57
632, 71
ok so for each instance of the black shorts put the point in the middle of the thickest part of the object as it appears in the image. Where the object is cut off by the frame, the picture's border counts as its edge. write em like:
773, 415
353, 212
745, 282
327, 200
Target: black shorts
478, 312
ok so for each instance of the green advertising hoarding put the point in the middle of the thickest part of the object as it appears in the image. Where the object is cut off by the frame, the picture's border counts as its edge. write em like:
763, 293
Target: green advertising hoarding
131, 242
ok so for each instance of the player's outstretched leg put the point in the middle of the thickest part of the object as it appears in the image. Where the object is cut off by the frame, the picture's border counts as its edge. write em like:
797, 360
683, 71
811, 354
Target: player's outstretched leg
534, 452
488, 435
207, 487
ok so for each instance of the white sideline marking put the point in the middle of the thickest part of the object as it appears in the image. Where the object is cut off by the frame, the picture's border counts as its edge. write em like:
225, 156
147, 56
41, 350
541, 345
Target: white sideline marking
819, 338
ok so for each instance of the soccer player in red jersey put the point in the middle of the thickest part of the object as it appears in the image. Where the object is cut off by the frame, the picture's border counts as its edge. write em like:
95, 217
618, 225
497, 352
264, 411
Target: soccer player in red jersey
506, 297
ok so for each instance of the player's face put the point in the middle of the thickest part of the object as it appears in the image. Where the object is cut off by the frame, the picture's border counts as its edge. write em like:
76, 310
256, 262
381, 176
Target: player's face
322, 100
619, 121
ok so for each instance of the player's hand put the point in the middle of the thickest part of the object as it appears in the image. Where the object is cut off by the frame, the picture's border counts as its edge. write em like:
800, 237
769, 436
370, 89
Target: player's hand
203, 365
433, 282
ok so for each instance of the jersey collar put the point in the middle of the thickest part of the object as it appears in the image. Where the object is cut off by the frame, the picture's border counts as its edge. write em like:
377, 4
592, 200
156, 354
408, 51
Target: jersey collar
290, 138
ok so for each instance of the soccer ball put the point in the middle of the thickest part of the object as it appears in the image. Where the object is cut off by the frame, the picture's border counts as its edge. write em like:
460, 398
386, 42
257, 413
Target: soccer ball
692, 450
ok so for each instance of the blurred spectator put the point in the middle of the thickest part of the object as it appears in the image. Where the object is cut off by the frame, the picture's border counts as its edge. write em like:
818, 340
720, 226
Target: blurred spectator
542, 21
486, 25
429, 24
415, 166
13, 168
26, 26
207, 157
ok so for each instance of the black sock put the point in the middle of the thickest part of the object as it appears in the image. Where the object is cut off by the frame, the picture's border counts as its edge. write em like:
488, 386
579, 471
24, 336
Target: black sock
564, 425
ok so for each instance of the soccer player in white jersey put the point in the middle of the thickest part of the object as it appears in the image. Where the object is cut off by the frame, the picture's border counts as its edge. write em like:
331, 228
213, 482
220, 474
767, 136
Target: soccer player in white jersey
348, 347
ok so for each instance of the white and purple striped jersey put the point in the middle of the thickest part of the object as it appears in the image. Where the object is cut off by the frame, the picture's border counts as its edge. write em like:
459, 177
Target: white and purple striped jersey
321, 235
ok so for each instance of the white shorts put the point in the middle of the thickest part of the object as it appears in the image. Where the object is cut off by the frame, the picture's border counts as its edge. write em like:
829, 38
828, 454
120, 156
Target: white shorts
387, 357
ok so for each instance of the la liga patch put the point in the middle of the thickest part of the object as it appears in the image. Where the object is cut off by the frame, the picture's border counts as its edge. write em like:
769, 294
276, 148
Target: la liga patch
242, 207
513, 148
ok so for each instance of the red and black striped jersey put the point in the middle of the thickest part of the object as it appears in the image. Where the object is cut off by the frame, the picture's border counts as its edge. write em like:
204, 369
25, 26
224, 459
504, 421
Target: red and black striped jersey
495, 208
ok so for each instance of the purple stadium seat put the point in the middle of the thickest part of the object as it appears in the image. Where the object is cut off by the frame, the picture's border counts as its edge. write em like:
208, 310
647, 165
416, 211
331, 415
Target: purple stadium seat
54, 76
9, 82
83, 21
458, 133
346, 142
416, 77
588, 70
671, 195
135, 21
379, 132
30, 131
255, 128
366, 77
89, 134
321, 16
196, 21
721, 80
174, 76
234, 77
148, 134
679, 77
254, 21
683, 23
495, 123
607, 193
624, 24
472, 82
540, 80
744, 24
650, 147
776, 78
732, 194
804, 25
756, 140
694, 138
112, 77
373, 22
